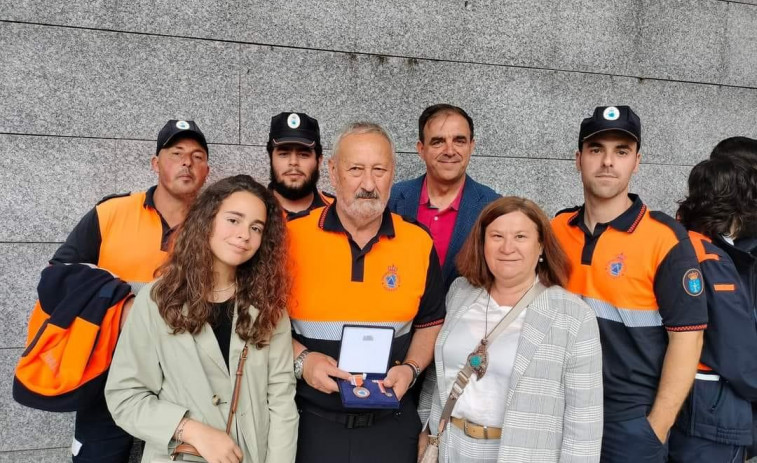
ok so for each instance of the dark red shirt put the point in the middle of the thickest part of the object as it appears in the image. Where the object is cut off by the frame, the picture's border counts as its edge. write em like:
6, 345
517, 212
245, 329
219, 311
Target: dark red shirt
440, 223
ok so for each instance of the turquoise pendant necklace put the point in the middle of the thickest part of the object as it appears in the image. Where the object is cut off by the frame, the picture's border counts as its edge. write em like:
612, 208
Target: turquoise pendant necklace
478, 359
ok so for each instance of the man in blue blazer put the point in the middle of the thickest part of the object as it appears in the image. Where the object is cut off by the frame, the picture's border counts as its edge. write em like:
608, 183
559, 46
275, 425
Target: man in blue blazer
444, 199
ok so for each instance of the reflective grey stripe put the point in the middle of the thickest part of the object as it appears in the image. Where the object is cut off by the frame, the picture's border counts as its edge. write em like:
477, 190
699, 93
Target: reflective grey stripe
332, 331
136, 286
628, 317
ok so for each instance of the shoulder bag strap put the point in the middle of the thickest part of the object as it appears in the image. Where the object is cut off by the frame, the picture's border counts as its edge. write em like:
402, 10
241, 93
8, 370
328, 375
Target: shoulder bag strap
237, 384
463, 376
188, 449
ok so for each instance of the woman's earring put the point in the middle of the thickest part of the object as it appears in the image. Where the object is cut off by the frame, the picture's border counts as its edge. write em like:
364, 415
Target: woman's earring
541, 259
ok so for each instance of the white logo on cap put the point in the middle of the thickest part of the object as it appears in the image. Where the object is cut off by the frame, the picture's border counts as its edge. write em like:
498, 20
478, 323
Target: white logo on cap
183, 125
293, 121
611, 113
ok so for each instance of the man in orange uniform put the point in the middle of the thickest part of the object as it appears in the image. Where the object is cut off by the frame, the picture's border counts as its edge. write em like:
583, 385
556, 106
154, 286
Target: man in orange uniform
638, 270
355, 262
129, 235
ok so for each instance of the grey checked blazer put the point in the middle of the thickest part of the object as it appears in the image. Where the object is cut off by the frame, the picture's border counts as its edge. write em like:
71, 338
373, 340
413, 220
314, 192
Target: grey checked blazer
554, 401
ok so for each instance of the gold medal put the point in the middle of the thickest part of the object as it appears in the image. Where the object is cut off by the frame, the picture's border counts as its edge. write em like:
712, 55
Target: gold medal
361, 392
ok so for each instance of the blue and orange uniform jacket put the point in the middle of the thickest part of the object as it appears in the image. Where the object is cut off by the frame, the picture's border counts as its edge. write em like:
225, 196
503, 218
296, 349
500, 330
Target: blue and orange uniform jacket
72, 334
718, 407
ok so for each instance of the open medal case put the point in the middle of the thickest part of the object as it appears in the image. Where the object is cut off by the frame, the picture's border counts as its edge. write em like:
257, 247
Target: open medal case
365, 353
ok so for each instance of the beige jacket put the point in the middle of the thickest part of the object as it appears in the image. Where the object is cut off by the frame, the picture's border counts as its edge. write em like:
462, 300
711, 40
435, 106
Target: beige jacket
157, 377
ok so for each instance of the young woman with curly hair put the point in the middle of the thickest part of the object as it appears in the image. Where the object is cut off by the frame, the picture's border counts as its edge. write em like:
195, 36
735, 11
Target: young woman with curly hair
223, 287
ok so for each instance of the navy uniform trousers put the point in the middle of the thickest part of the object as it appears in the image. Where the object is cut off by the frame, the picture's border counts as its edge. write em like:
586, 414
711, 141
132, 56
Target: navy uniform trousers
392, 436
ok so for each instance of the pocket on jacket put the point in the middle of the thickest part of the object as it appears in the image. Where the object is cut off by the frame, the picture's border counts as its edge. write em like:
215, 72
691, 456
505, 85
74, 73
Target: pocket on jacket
708, 397
718, 396
718, 412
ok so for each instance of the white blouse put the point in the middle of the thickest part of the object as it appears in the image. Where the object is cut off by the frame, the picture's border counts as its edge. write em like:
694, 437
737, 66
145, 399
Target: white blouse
483, 400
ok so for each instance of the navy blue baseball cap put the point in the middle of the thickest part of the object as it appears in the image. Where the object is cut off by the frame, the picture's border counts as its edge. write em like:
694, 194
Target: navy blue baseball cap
606, 118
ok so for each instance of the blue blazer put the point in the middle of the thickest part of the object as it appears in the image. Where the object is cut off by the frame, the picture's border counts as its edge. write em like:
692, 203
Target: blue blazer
405, 198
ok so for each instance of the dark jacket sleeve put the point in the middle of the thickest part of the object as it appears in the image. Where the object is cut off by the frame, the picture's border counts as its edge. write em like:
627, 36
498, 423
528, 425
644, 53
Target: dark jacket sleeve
730, 341
82, 244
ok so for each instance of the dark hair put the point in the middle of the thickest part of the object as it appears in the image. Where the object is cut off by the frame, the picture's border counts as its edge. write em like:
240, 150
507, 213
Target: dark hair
187, 276
742, 148
722, 194
438, 110
471, 262
318, 149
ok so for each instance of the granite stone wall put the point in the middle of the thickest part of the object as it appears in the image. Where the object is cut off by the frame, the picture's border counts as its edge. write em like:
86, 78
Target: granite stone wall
85, 86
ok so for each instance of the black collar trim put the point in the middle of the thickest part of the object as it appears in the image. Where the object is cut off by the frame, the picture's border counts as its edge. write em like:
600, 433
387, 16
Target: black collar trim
627, 221
329, 221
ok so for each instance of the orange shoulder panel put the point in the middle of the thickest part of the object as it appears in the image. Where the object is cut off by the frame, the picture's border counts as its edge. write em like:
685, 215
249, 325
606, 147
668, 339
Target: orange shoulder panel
697, 241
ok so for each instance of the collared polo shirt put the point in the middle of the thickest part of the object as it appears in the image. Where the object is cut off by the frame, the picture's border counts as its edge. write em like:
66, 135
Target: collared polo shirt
394, 280
320, 199
124, 234
640, 274
441, 223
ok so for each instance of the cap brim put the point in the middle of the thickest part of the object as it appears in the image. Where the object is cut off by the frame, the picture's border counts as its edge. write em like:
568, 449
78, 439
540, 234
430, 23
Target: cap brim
297, 140
187, 134
610, 129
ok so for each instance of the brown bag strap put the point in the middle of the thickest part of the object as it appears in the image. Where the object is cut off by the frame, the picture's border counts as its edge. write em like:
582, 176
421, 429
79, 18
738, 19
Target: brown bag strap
189, 449
237, 385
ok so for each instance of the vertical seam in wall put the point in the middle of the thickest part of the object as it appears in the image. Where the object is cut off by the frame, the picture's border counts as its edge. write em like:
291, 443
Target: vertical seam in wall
725, 63
354, 25
239, 94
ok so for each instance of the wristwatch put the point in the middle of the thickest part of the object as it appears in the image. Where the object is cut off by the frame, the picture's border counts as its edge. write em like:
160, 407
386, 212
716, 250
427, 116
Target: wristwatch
299, 362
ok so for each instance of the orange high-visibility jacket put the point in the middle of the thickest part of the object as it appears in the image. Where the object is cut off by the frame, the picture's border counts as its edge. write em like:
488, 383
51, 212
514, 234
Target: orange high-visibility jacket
72, 333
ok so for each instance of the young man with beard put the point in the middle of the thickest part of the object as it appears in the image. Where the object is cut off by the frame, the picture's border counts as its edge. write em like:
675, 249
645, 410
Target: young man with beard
295, 151
638, 270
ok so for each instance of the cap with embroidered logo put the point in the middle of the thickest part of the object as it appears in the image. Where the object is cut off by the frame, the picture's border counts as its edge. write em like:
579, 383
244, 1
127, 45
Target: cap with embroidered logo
294, 128
175, 129
607, 118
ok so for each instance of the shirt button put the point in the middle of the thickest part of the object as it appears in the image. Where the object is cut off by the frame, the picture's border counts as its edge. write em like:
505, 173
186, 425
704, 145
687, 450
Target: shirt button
436, 217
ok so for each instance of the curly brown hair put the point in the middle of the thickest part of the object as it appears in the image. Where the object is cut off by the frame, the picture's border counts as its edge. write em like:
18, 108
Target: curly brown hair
186, 279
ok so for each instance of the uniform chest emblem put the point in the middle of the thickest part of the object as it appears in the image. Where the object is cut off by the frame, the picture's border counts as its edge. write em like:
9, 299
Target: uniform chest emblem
391, 280
692, 282
617, 266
